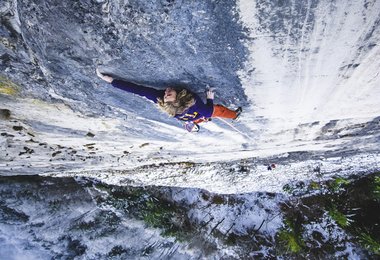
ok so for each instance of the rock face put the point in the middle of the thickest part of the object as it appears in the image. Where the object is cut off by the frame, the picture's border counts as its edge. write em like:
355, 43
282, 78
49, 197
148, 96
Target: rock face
313, 61
171, 42
273, 184
306, 74
45, 217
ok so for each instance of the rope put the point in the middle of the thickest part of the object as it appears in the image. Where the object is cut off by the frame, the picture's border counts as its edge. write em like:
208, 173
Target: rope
233, 127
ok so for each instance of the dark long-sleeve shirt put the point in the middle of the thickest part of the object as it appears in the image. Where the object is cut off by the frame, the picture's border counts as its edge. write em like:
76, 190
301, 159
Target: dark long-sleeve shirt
196, 111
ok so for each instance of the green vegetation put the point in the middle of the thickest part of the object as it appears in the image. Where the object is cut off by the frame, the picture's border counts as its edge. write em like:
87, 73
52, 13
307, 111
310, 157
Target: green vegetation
318, 222
369, 243
339, 217
216, 199
7, 87
313, 216
338, 184
290, 237
165, 216
332, 186
154, 214
376, 188
350, 203
101, 224
314, 185
288, 188
141, 204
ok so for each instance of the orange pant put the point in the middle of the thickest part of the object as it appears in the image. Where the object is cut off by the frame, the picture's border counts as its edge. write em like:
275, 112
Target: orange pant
219, 111
222, 111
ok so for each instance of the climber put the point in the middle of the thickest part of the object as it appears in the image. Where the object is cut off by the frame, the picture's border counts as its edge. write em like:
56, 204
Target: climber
179, 103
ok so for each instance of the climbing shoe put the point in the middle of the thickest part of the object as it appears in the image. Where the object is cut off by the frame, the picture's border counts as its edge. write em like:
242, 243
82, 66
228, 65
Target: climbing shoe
238, 113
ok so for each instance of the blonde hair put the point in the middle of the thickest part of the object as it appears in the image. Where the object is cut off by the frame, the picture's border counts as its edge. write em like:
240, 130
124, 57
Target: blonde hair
184, 100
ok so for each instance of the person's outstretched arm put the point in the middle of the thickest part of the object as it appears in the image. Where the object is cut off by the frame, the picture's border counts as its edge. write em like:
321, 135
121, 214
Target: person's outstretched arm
149, 93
